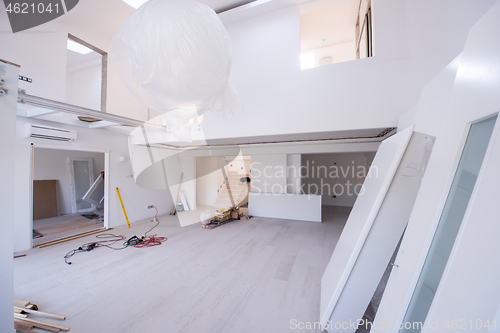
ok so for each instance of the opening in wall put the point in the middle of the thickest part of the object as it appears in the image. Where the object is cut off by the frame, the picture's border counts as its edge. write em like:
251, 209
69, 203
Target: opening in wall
333, 31
86, 78
68, 193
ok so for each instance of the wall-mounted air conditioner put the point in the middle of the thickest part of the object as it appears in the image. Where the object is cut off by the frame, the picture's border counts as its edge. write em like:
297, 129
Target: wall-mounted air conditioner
49, 133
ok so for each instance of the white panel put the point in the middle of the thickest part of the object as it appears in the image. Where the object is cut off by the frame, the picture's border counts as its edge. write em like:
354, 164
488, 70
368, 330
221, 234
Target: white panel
360, 220
384, 234
285, 206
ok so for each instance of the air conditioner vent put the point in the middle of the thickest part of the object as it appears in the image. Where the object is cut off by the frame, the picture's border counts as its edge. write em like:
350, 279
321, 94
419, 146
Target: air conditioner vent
49, 133
52, 129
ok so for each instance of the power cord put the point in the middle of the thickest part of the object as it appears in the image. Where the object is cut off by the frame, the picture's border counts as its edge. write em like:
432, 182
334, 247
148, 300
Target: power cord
110, 239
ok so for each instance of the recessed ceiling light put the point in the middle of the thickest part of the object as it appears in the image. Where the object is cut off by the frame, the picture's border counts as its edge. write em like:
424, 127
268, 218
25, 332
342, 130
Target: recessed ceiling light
135, 3
77, 47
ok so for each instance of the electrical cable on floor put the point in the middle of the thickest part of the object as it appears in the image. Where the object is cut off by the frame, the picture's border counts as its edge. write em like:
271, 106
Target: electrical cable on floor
153, 240
110, 239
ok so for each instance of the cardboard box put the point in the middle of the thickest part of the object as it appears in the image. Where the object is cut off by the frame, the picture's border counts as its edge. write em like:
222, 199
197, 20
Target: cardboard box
235, 213
244, 211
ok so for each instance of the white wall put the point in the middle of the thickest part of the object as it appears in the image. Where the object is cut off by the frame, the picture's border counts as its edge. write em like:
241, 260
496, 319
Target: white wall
339, 53
52, 164
42, 57
437, 33
239, 164
83, 86
337, 177
269, 174
135, 199
279, 98
7, 170
206, 181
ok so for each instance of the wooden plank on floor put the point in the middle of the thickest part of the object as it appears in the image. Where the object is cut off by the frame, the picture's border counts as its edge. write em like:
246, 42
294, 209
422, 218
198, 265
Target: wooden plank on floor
72, 238
90, 232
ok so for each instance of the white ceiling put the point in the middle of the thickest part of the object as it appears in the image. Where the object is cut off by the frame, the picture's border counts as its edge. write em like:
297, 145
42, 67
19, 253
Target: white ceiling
105, 17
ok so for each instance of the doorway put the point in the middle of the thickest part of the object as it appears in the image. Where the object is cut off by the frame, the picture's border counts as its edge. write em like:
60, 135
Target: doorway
68, 193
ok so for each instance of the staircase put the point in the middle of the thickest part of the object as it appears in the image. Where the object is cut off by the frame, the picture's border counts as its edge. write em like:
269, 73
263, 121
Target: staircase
239, 192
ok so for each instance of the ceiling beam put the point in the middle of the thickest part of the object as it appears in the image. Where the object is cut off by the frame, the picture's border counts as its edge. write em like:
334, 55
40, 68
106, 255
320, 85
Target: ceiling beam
78, 111
38, 112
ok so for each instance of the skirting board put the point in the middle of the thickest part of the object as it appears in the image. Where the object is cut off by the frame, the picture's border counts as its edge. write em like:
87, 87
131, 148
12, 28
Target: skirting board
285, 206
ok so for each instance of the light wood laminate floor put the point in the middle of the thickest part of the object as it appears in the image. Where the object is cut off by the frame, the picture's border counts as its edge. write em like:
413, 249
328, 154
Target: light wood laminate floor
62, 226
247, 276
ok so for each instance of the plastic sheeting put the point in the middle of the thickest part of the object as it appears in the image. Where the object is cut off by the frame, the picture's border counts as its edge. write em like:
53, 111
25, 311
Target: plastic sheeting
175, 57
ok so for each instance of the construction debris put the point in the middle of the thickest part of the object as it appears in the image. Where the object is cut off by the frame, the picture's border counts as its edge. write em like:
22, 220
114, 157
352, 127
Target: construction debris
23, 310
222, 216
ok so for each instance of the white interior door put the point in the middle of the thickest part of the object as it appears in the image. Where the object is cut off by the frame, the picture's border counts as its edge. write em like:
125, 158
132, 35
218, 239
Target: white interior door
449, 224
81, 179
383, 237
360, 220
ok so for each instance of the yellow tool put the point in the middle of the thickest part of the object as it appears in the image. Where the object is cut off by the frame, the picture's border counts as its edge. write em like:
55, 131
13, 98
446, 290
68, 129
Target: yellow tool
121, 202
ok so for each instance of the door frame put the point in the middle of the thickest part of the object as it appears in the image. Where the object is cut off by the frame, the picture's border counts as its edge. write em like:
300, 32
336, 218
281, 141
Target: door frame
76, 149
90, 161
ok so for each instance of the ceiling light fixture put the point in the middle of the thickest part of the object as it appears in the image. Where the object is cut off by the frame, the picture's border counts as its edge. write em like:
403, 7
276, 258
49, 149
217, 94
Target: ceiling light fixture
77, 47
135, 3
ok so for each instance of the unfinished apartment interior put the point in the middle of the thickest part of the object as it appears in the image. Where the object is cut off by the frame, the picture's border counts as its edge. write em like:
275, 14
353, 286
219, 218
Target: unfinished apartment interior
353, 177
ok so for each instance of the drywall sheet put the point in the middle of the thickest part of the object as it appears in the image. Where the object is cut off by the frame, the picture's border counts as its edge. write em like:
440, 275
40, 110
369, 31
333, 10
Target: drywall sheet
285, 206
360, 220
384, 234
45, 199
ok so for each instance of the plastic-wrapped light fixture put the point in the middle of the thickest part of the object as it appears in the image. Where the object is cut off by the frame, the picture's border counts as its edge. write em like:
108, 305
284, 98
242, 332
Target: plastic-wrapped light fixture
173, 55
